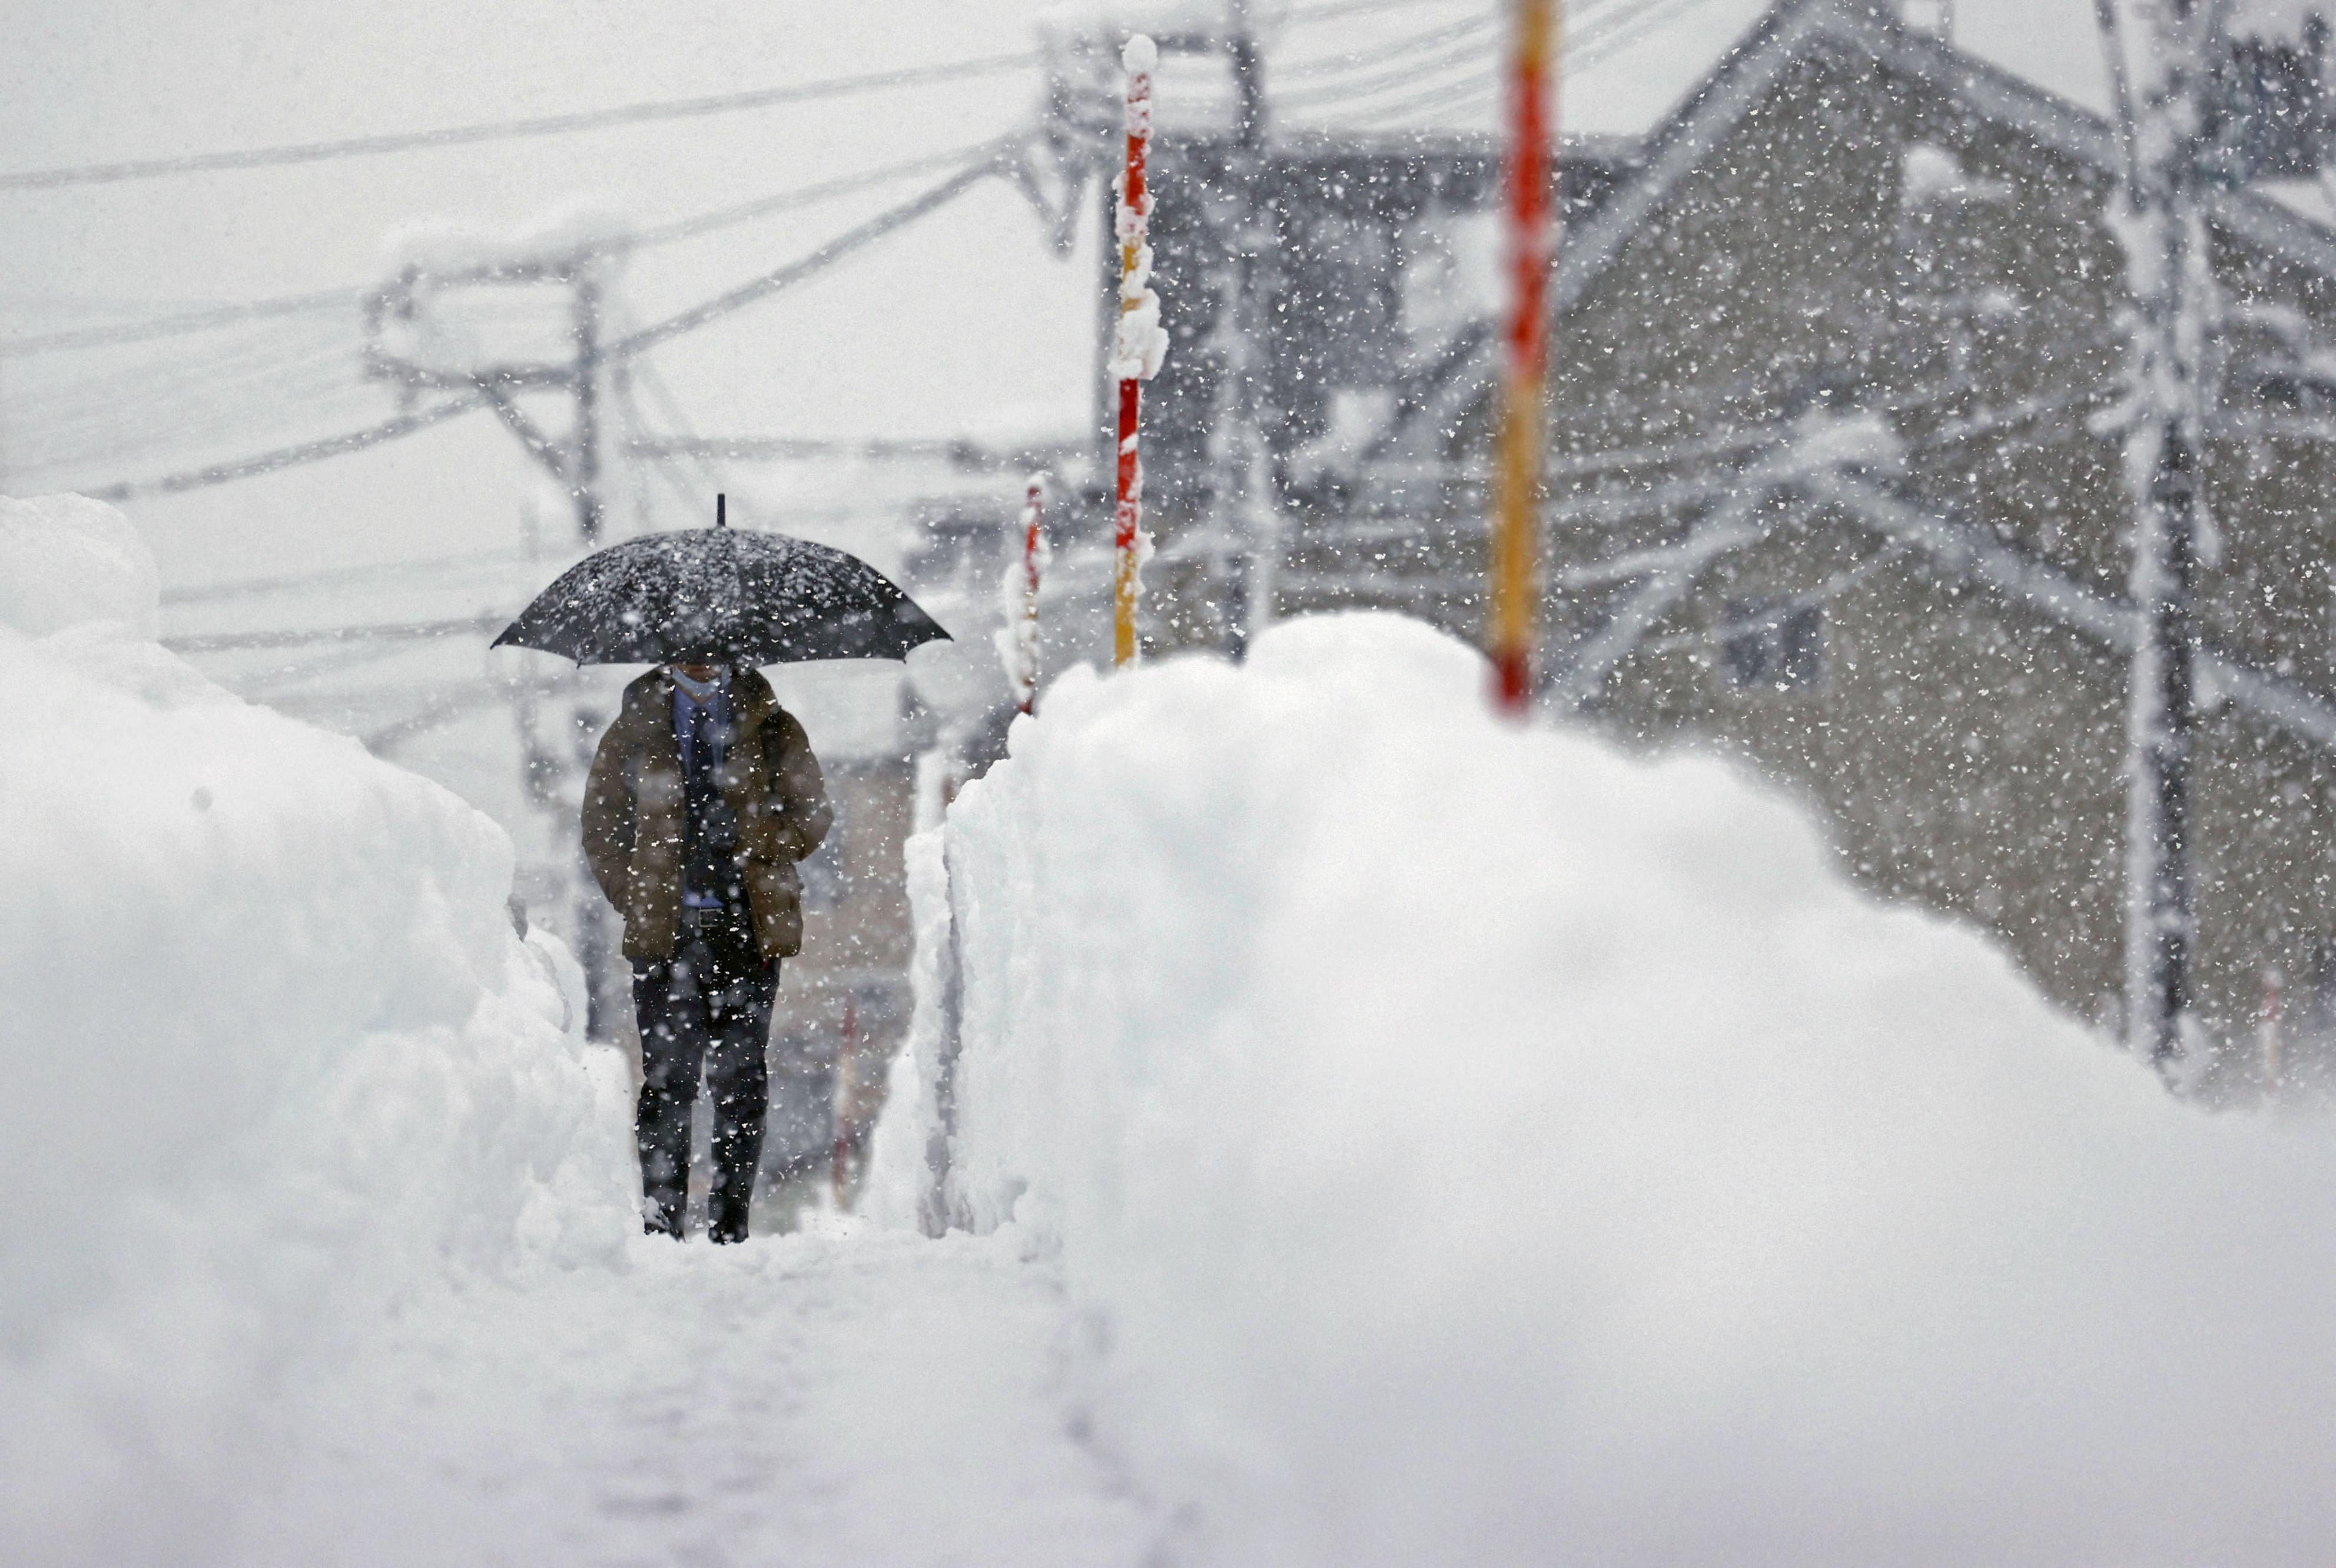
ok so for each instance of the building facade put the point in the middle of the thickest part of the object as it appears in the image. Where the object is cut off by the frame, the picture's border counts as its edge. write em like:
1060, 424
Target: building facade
1836, 479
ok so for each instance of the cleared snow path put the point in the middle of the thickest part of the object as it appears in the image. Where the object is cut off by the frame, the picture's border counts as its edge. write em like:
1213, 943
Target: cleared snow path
863, 1397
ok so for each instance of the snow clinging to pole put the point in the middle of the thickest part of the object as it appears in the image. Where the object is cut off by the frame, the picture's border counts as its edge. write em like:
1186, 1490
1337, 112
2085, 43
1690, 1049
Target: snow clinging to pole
2159, 219
1018, 638
1138, 346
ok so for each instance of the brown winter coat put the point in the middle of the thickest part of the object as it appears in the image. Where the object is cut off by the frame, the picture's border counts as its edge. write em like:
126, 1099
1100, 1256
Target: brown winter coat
633, 808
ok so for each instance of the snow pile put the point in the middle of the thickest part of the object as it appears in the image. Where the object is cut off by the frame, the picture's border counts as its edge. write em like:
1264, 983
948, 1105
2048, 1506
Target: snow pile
66, 560
1471, 1144
275, 1059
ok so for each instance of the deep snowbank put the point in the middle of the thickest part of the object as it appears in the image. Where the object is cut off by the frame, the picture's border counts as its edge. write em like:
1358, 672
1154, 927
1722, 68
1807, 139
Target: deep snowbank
1471, 1144
274, 1057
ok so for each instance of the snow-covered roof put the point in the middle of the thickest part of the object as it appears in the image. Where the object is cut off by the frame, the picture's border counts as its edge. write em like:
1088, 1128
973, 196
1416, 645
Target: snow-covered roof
2271, 218
1745, 75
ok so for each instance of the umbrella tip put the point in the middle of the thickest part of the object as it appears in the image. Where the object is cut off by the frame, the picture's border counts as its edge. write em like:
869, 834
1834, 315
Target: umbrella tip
721, 511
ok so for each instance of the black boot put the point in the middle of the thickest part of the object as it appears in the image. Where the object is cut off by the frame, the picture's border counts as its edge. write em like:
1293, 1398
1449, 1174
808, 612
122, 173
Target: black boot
739, 1109
737, 1078
663, 1134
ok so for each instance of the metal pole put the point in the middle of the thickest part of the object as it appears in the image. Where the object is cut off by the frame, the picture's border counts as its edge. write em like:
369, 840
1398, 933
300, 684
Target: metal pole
595, 953
2162, 227
2267, 1032
1517, 467
593, 949
2162, 724
1248, 482
585, 470
843, 1101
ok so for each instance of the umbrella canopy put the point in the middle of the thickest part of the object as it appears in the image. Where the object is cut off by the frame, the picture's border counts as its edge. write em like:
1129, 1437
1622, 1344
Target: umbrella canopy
721, 595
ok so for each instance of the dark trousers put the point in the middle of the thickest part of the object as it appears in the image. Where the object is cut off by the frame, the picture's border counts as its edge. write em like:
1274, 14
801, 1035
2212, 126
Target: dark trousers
706, 1009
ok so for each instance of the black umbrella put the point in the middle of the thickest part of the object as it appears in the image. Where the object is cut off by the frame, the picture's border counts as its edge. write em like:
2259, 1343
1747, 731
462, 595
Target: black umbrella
721, 595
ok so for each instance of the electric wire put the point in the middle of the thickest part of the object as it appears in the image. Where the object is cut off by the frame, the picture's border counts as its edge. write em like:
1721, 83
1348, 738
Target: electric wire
1612, 30
508, 129
630, 347
1307, 15
212, 317
1373, 57
338, 576
1467, 51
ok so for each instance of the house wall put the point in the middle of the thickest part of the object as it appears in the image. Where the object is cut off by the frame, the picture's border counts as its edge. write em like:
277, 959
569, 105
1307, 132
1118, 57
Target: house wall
1967, 751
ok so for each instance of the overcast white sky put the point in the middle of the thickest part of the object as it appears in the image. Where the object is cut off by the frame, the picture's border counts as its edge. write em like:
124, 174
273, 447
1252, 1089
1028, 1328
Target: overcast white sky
952, 326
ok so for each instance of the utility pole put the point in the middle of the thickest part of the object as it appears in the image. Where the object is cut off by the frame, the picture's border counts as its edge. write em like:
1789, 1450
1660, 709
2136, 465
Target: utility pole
1245, 503
585, 440
397, 350
2166, 55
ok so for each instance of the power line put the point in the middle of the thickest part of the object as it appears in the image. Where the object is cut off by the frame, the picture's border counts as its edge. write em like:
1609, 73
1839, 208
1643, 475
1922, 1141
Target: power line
1613, 30
508, 129
638, 343
1305, 15
406, 630
1404, 74
819, 261
958, 451
183, 322
804, 196
1359, 59
214, 317
292, 456
344, 576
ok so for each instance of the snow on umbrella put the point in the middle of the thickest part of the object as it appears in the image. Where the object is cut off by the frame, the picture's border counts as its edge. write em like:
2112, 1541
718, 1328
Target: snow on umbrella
719, 595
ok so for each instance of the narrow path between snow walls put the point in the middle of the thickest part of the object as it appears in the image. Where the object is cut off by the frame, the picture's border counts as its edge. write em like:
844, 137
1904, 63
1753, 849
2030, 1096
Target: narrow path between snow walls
832, 1395
1469, 1144
322, 1244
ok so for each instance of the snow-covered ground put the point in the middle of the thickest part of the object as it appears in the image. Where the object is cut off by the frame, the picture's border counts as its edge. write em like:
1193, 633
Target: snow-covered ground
1468, 1143
1385, 1136
322, 1240
831, 1397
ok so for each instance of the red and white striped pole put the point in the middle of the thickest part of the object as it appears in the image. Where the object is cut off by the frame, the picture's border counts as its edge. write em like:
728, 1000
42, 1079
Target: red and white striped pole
1517, 480
1138, 346
1019, 640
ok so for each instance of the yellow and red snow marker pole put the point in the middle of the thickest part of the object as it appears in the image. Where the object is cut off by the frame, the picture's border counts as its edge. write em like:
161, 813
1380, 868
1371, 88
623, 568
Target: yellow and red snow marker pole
1137, 347
1516, 476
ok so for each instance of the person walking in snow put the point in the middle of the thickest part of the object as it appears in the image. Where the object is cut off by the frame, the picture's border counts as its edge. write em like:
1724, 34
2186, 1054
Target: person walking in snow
702, 797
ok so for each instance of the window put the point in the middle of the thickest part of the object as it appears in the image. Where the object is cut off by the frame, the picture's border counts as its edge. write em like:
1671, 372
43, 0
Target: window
1773, 645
